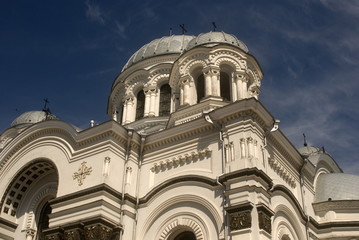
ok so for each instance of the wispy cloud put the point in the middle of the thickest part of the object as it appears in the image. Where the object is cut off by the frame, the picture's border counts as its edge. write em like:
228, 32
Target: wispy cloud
120, 29
94, 13
347, 6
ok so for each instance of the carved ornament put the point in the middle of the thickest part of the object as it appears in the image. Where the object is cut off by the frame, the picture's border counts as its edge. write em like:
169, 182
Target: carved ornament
240, 220
81, 174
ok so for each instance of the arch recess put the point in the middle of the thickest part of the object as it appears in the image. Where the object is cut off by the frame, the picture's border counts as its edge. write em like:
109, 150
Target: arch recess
162, 218
181, 223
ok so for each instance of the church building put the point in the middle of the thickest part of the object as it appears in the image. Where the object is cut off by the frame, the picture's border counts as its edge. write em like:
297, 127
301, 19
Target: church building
189, 153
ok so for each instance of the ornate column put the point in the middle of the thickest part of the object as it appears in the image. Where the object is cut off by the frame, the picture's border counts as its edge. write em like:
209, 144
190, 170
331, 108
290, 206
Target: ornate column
129, 110
216, 86
234, 87
241, 81
250, 147
185, 85
243, 147
212, 84
124, 112
147, 102
152, 102
208, 82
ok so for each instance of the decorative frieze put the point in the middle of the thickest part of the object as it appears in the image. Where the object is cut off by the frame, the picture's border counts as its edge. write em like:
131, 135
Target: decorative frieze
74, 234
93, 230
240, 217
240, 220
97, 232
264, 218
282, 172
181, 159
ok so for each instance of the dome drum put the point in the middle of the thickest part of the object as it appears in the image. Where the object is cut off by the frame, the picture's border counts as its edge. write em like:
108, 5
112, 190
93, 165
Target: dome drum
212, 67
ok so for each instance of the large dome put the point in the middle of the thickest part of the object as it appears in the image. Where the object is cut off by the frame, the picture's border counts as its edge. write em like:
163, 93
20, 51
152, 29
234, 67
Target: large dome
160, 46
337, 186
216, 38
31, 117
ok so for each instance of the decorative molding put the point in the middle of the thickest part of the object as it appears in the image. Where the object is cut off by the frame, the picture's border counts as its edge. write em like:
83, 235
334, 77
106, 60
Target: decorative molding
181, 159
282, 172
65, 136
81, 174
185, 223
30, 217
336, 205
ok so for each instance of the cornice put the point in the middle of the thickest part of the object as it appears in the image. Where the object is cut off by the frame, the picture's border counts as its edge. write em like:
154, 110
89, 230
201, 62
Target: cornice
7, 224
181, 159
282, 172
246, 172
58, 131
336, 205
279, 141
251, 109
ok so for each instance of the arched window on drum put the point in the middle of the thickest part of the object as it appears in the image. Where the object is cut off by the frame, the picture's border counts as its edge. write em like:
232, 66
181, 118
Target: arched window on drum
140, 106
165, 100
225, 86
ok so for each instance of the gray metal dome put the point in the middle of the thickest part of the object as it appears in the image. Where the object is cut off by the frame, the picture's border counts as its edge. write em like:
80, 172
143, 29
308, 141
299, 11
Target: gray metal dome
216, 37
337, 186
31, 117
160, 46
309, 150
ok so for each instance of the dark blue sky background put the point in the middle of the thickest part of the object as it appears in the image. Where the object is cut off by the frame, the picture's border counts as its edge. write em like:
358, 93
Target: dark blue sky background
71, 51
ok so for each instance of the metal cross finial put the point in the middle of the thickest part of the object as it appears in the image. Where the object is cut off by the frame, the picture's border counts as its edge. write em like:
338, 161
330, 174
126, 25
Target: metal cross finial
214, 26
46, 100
305, 140
80, 175
183, 29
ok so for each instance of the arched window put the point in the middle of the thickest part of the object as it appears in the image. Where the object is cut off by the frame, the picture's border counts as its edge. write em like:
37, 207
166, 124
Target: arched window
200, 87
165, 100
225, 86
140, 107
43, 221
185, 236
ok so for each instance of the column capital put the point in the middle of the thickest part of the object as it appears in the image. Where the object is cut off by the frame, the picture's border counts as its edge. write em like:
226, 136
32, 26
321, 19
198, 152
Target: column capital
211, 70
128, 99
240, 76
149, 89
186, 80
30, 232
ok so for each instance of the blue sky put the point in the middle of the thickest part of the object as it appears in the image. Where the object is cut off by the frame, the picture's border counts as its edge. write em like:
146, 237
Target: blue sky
71, 51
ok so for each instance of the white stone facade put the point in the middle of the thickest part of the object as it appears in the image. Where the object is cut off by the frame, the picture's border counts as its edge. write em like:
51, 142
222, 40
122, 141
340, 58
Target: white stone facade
189, 153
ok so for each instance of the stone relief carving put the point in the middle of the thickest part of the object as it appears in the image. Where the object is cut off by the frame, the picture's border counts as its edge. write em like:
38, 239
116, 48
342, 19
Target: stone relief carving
265, 222
82, 172
240, 220
97, 232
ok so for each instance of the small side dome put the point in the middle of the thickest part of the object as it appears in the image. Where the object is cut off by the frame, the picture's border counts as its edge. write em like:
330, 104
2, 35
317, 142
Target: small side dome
32, 117
309, 150
337, 186
165, 45
216, 38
